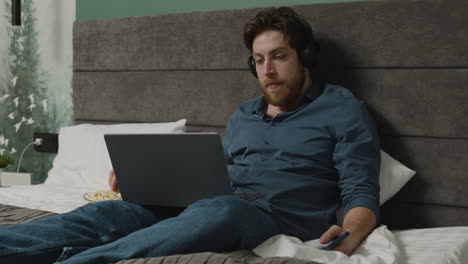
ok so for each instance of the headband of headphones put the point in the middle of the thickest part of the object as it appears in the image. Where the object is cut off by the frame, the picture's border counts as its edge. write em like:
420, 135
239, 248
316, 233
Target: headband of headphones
308, 55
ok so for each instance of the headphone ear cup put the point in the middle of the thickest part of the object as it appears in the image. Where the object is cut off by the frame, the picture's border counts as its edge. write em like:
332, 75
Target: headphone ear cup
252, 66
309, 55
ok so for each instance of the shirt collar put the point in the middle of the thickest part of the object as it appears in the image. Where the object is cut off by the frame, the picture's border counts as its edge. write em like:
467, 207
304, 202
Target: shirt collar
315, 91
260, 106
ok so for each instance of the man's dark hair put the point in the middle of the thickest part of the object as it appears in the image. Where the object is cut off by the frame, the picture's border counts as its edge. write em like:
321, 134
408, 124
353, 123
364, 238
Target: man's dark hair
282, 19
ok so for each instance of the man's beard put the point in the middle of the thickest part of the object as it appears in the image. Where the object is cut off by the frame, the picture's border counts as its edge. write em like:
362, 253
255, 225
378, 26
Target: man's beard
286, 95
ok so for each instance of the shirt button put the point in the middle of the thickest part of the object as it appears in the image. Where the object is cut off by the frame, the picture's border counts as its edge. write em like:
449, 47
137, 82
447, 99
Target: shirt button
263, 159
266, 142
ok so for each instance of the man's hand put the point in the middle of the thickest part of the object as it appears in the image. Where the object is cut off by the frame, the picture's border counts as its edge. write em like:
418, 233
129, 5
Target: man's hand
114, 185
346, 246
359, 221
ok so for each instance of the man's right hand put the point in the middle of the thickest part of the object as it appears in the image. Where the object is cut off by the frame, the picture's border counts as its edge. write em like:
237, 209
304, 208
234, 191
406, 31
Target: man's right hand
114, 185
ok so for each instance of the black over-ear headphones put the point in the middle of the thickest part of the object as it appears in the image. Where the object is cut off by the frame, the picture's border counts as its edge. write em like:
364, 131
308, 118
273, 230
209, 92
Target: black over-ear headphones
308, 55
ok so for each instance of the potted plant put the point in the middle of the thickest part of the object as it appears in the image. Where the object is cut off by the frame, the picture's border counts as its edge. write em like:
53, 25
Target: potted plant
5, 160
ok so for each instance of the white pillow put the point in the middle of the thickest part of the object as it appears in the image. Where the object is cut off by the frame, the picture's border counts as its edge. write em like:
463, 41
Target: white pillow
83, 160
393, 176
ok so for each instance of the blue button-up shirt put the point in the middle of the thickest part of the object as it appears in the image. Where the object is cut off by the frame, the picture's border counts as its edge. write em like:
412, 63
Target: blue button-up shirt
308, 162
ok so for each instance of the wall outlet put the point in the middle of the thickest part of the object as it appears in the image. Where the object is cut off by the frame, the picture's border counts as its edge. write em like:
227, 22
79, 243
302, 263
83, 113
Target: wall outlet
49, 142
14, 178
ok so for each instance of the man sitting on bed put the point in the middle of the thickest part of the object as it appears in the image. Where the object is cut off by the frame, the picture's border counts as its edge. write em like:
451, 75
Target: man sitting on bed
306, 148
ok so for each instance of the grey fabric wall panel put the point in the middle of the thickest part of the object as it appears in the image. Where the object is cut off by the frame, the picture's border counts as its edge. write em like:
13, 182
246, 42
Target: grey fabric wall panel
200, 40
441, 167
392, 33
204, 98
404, 102
407, 215
373, 34
415, 102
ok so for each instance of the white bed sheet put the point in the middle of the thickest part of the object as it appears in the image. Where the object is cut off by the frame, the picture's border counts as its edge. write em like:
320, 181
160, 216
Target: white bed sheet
434, 245
49, 197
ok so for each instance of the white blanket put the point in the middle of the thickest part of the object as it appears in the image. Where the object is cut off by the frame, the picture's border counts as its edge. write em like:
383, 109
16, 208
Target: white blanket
380, 247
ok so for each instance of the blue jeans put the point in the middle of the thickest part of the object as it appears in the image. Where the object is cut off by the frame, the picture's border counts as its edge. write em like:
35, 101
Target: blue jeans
111, 231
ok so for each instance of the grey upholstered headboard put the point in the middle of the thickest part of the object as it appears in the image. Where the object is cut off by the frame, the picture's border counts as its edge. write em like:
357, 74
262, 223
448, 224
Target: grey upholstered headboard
408, 59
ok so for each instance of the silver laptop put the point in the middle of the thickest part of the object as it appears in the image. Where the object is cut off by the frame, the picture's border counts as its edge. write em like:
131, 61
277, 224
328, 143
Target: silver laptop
172, 170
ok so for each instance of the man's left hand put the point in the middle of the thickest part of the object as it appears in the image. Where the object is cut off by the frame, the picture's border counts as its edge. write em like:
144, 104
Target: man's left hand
359, 221
346, 246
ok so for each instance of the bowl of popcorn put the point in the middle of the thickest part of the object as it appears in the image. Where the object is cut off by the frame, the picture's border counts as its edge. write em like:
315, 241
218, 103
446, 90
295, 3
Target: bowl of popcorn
102, 195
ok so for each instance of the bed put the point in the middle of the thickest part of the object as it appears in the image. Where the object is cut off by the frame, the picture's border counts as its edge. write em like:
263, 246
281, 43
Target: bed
406, 59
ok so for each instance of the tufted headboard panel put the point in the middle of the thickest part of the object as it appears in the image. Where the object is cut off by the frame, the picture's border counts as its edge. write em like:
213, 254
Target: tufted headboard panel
407, 59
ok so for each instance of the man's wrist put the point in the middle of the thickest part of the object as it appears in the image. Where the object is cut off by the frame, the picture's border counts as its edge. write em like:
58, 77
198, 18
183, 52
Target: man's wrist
359, 221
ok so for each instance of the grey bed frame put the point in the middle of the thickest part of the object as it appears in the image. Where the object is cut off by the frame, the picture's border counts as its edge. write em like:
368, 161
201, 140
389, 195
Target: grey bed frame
407, 59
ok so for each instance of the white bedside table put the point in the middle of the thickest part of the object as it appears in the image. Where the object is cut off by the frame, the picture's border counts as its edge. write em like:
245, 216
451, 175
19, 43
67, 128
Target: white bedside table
14, 178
